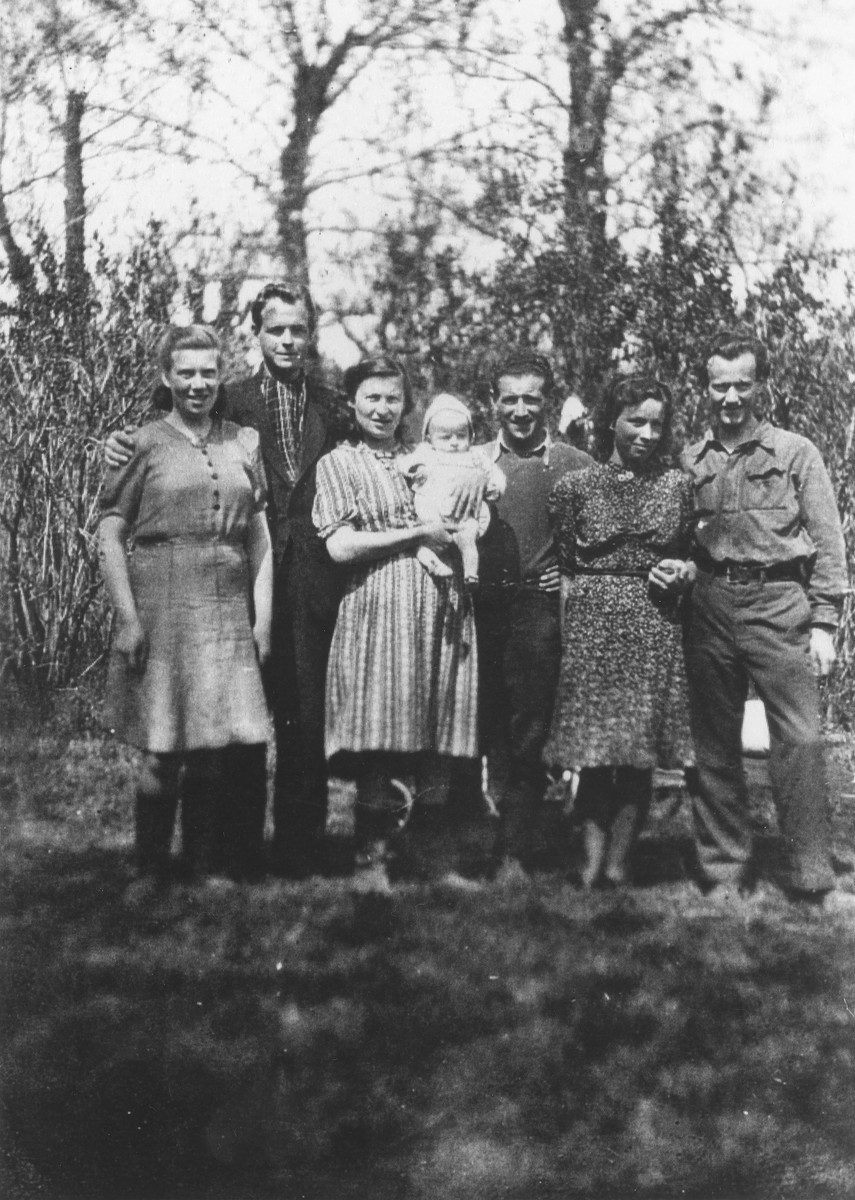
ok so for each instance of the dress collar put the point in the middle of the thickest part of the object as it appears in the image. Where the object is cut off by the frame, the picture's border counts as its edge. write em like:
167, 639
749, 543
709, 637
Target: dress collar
384, 454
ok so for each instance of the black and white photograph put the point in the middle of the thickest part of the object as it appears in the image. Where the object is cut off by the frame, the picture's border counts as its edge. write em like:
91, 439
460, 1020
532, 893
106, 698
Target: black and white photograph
427, 623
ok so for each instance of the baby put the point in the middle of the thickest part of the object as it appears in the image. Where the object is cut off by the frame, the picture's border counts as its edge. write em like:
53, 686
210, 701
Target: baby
433, 471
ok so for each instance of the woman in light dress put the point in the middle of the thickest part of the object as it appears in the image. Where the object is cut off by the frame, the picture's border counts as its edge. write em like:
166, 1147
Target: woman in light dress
401, 680
192, 603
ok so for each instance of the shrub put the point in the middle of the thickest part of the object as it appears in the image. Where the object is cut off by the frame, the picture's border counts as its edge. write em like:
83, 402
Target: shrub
72, 368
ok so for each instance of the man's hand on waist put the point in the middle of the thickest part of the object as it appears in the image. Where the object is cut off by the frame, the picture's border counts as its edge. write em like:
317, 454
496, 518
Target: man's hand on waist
549, 579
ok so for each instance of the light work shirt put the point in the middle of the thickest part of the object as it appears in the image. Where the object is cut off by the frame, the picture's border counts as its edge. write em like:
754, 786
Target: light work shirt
770, 501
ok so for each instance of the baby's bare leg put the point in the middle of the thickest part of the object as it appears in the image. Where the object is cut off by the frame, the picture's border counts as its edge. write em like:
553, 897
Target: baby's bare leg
432, 563
465, 539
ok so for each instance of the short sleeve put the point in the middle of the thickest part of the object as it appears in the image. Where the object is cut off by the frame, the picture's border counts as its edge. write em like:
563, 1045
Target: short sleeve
335, 494
123, 486
561, 506
251, 444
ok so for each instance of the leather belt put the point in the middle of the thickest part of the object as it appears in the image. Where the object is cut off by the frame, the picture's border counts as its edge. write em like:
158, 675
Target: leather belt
735, 572
638, 573
511, 586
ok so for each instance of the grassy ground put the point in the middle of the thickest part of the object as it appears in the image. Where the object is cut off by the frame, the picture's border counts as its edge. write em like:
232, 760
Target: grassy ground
295, 1040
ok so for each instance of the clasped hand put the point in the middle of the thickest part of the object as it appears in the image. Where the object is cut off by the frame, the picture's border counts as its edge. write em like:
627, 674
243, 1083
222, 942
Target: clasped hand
672, 576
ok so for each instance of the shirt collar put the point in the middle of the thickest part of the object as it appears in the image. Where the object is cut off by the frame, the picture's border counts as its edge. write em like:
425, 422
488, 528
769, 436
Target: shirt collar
542, 451
263, 371
760, 433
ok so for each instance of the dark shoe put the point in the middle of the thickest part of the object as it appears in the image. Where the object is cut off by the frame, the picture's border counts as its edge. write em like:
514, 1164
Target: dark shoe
292, 866
299, 858
614, 877
809, 897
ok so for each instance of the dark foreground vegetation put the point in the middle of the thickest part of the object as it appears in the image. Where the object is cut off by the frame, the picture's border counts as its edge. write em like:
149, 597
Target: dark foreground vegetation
296, 1040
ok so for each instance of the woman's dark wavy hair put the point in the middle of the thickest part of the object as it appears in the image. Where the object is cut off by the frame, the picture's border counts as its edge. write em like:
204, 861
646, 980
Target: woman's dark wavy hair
186, 337
377, 366
628, 392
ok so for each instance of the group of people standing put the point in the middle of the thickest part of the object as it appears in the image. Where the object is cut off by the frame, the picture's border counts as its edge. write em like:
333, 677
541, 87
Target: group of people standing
604, 617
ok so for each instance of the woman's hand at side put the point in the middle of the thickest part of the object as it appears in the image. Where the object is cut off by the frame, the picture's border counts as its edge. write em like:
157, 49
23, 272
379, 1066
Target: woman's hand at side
129, 637
672, 576
260, 556
130, 641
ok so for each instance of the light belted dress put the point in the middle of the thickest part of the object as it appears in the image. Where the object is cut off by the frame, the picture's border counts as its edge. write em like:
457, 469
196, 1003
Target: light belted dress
188, 507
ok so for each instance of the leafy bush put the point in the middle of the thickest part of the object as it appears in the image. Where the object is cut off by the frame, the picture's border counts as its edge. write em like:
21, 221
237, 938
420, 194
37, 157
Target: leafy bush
71, 370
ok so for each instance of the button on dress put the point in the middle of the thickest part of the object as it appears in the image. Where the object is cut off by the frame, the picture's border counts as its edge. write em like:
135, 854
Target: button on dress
189, 509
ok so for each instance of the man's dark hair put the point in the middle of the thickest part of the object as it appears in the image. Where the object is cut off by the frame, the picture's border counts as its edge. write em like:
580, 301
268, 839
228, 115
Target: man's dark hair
731, 344
628, 391
378, 366
523, 362
288, 293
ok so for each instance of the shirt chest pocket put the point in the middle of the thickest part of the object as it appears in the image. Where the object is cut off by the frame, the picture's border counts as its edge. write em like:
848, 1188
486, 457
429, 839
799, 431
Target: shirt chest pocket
767, 488
705, 493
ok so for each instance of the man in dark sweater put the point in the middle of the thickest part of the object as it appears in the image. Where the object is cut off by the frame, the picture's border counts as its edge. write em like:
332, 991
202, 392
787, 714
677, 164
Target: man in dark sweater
519, 641
298, 420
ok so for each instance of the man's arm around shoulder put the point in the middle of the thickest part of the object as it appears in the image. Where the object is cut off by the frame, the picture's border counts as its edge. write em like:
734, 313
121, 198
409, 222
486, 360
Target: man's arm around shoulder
243, 400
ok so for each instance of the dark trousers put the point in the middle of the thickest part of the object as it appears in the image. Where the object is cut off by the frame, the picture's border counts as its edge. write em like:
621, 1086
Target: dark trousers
758, 632
519, 653
303, 624
223, 795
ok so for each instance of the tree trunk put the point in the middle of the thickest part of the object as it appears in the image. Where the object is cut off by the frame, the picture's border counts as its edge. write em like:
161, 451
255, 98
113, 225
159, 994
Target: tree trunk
593, 70
590, 94
294, 162
75, 196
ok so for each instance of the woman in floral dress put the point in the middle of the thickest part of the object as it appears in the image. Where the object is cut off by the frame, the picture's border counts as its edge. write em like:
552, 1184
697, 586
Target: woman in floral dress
623, 529
401, 678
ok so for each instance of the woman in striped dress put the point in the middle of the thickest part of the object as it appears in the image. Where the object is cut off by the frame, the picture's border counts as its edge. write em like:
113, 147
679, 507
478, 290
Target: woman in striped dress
401, 678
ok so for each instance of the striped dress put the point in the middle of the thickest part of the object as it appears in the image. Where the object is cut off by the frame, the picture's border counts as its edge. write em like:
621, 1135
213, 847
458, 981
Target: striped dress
402, 673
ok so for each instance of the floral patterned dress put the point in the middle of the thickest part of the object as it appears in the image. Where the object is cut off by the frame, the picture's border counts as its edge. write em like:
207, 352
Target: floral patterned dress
402, 673
622, 697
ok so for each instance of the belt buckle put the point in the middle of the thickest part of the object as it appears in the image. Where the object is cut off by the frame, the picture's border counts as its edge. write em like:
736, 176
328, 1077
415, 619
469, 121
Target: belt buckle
738, 573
